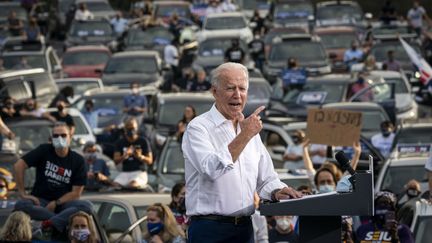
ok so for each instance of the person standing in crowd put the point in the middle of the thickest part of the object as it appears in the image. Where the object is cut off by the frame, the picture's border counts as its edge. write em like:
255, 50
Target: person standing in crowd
353, 55
171, 57
60, 180
134, 104
32, 109
32, 31
8, 108
119, 23
62, 115
15, 25
217, 147
391, 64
185, 82
257, 49
383, 141
81, 229
388, 12
228, 6
234, 53
97, 170
293, 155
82, 13
201, 82
283, 231
162, 226
17, 228
133, 152
178, 206
259, 29
90, 114
384, 224
64, 95
174, 26
189, 113
415, 17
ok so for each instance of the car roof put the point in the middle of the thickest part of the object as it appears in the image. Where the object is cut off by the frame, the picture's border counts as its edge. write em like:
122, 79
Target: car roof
134, 199
186, 96
88, 48
170, 3
111, 91
334, 29
386, 74
72, 80
136, 53
408, 161
225, 14
354, 105
27, 121
12, 73
416, 125
329, 78
331, 3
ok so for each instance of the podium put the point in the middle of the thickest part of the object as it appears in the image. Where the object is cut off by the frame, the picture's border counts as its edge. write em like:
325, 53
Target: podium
320, 216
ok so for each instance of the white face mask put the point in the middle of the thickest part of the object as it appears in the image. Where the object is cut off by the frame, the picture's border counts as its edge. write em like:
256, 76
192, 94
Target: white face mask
326, 188
283, 223
135, 90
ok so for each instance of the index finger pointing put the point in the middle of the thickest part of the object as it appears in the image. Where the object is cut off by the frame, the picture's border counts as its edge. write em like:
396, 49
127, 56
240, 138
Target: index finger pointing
258, 110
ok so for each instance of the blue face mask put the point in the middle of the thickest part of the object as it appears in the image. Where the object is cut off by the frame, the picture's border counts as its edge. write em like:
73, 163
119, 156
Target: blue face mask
59, 143
154, 228
80, 234
326, 188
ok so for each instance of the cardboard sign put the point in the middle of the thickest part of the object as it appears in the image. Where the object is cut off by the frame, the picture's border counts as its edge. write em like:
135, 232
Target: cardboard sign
333, 127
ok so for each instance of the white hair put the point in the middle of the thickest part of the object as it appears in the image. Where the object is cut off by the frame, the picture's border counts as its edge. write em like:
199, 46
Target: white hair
217, 73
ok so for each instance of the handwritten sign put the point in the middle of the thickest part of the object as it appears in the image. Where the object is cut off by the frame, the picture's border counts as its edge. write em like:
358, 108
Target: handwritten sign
333, 127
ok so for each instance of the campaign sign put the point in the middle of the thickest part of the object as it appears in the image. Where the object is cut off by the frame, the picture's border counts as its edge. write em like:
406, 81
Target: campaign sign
311, 97
294, 76
333, 127
411, 150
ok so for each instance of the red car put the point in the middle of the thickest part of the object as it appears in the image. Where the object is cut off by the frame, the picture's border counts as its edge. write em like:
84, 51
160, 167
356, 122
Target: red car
83, 61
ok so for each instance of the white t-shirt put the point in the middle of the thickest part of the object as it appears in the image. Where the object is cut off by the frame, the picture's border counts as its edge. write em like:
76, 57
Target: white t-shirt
83, 15
383, 144
171, 55
119, 25
416, 16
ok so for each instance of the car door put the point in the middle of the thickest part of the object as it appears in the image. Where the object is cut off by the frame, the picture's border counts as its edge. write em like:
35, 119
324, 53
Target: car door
276, 144
380, 93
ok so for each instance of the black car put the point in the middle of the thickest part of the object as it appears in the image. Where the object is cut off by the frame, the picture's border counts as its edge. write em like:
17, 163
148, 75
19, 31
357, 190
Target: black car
293, 13
90, 32
123, 68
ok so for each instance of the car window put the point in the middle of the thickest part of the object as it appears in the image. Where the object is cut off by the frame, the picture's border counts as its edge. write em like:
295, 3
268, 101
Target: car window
380, 50
415, 136
109, 109
31, 136
79, 87
343, 12
91, 28
337, 40
400, 85
173, 161
371, 120
168, 10
16, 89
259, 91
152, 36
304, 51
217, 47
98, 6
377, 93
234, 22
293, 10
80, 127
34, 61
171, 113
397, 176
254, 4
85, 58
132, 65
117, 220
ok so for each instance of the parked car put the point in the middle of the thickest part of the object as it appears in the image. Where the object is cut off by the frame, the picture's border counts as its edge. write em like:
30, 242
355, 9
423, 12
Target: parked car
116, 212
91, 32
226, 23
123, 68
293, 13
340, 13
83, 61
38, 55
413, 134
422, 221
259, 93
101, 9
165, 9
80, 85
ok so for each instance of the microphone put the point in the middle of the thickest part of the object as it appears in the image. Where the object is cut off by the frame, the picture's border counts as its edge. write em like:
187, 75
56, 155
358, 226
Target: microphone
344, 162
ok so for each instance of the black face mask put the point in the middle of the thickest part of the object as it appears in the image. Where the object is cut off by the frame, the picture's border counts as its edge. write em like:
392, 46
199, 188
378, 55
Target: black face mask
60, 108
296, 140
182, 205
131, 132
411, 193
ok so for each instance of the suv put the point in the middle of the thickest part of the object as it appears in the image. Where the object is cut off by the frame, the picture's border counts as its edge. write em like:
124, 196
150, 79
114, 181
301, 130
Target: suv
307, 49
38, 55
24, 84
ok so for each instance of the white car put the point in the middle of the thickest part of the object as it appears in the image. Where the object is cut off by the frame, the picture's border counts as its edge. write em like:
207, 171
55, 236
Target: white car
226, 23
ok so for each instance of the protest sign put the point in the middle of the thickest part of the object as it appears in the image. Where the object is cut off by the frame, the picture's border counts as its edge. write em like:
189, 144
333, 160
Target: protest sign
333, 127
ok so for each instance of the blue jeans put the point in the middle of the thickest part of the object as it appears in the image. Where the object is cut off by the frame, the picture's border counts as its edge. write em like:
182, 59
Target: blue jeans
60, 218
209, 231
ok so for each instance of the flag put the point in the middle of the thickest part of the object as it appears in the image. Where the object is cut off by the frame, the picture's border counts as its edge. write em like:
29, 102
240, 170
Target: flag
423, 67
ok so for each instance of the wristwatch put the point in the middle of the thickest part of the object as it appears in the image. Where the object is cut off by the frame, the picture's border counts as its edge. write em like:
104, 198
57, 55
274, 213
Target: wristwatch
57, 202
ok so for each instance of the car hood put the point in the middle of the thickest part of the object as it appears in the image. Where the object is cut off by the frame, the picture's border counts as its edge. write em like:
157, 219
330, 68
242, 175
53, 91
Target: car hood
89, 39
311, 64
124, 80
82, 70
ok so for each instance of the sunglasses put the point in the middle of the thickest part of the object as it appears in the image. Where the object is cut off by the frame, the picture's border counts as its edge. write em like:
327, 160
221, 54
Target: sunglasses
63, 135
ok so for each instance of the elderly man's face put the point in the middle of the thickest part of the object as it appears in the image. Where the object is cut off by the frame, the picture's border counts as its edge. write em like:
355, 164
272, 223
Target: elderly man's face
231, 93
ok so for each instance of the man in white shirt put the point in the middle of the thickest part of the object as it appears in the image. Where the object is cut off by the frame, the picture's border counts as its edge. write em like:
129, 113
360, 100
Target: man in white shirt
226, 162
383, 141
119, 24
82, 13
415, 17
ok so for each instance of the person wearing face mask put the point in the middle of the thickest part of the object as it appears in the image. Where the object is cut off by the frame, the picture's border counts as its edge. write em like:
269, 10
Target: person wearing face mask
90, 114
234, 53
32, 109
360, 84
60, 180
162, 226
383, 141
8, 110
133, 152
81, 230
214, 6
353, 55
407, 203
293, 155
383, 226
178, 206
61, 115
256, 47
97, 169
283, 231
134, 104
415, 17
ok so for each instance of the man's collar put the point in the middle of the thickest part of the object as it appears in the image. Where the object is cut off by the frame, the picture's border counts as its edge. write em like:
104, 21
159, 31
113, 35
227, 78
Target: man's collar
217, 117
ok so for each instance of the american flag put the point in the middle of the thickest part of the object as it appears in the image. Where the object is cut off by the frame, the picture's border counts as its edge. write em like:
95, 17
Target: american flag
424, 69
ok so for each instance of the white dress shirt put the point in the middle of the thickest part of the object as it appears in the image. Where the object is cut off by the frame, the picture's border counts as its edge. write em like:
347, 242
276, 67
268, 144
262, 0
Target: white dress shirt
216, 185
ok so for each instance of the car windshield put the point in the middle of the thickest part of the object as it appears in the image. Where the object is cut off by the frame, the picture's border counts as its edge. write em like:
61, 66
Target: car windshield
380, 50
303, 51
397, 176
85, 58
254, 4
341, 12
222, 23
5, 11
293, 10
337, 40
258, 91
170, 113
422, 229
371, 120
169, 10
152, 36
91, 28
34, 61
415, 136
109, 109
390, 30
400, 85
332, 92
131, 65
79, 87
32, 135
217, 47
98, 6
173, 162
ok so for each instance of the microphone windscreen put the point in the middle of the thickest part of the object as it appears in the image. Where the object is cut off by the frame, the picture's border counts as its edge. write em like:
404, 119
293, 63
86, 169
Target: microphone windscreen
342, 159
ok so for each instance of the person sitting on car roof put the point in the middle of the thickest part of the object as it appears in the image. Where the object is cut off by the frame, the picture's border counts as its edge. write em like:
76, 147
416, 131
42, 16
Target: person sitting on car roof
97, 170
32, 109
82, 13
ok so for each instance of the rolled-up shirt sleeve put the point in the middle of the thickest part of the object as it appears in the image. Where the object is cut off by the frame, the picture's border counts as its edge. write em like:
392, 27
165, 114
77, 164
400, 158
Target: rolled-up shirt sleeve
213, 161
268, 179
